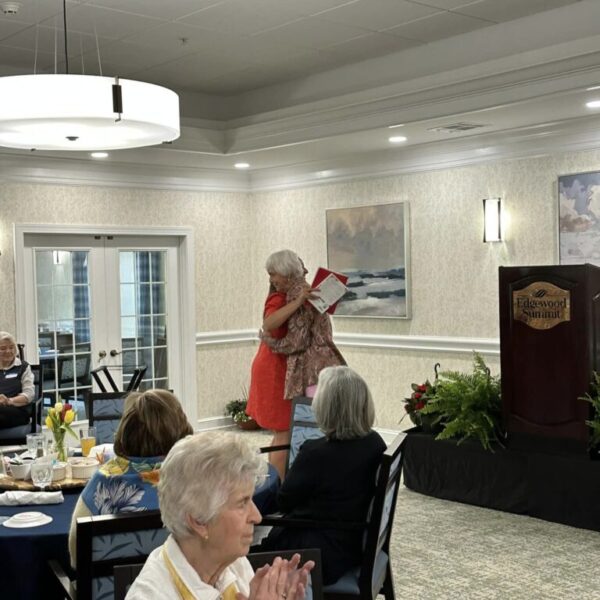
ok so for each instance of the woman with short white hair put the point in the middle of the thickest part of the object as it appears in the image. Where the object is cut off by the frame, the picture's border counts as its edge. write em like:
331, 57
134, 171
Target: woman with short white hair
205, 497
333, 478
16, 384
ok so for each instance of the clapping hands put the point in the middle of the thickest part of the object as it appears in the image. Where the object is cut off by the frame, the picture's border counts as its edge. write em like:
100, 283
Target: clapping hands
282, 580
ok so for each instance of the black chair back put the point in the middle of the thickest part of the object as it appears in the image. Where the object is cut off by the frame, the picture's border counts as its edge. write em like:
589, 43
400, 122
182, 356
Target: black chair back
124, 576
107, 541
105, 410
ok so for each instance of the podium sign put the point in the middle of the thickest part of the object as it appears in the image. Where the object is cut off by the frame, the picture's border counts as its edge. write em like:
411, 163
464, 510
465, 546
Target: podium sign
549, 346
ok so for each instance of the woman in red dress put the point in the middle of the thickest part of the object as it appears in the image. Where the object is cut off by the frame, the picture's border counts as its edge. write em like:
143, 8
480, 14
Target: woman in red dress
266, 402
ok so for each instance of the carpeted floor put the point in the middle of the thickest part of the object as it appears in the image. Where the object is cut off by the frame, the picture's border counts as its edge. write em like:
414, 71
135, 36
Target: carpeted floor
447, 550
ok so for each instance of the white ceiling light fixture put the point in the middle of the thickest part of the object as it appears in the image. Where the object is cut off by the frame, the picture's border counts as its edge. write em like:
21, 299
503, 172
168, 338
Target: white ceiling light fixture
242, 165
99, 154
85, 112
593, 104
397, 139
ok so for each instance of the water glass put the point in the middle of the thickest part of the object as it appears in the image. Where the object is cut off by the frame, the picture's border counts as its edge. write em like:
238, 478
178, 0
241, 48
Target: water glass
87, 437
36, 444
41, 472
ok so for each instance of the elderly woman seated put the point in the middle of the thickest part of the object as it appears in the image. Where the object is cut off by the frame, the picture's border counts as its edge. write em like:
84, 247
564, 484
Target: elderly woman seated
152, 422
205, 495
333, 478
16, 384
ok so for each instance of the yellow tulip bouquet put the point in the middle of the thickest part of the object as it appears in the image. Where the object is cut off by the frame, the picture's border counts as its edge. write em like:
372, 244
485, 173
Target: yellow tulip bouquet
58, 421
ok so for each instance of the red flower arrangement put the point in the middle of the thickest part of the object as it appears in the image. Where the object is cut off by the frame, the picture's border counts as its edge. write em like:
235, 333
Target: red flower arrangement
421, 394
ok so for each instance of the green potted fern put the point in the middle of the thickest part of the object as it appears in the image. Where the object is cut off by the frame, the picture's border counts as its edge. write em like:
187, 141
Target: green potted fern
468, 404
236, 409
594, 422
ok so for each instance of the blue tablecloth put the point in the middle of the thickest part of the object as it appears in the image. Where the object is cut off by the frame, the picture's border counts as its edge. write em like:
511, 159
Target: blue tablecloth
24, 553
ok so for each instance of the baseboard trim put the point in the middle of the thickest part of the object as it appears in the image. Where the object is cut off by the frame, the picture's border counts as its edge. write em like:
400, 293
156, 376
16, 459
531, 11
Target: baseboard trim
461, 345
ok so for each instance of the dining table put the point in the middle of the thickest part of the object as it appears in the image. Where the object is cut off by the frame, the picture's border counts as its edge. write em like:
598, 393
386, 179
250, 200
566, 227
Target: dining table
24, 553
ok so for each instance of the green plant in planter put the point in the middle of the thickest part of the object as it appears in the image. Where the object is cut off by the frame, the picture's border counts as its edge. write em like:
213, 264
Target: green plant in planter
468, 404
236, 409
594, 399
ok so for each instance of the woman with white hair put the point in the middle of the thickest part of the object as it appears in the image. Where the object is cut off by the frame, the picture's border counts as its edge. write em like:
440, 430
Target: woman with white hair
333, 478
266, 401
296, 343
16, 384
205, 497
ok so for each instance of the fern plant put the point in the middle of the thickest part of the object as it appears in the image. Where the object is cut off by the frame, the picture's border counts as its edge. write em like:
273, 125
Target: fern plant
594, 400
468, 404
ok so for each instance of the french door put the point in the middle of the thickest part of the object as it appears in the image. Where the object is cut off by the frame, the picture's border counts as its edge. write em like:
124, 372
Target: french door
96, 300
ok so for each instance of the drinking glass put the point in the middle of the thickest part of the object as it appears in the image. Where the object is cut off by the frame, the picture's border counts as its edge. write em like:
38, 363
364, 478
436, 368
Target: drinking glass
87, 437
41, 472
36, 444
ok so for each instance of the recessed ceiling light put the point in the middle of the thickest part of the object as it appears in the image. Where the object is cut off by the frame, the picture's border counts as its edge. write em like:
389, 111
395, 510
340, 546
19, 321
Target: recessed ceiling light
242, 165
594, 87
99, 154
593, 104
394, 126
397, 139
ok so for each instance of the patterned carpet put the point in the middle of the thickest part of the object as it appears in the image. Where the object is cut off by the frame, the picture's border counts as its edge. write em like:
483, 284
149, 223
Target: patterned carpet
447, 550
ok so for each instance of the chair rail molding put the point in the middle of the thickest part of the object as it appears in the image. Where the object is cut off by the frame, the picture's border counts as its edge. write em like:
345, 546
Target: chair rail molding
461, 345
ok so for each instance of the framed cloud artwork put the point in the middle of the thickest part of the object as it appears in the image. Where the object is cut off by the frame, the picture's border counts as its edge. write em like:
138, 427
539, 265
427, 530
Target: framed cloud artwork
579, 218
370, 244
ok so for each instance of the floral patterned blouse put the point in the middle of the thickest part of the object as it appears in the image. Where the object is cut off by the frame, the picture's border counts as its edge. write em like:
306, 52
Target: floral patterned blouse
123, 485
308, 345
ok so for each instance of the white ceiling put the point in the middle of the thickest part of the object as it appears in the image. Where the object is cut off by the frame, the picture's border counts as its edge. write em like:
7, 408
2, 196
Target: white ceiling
306, 90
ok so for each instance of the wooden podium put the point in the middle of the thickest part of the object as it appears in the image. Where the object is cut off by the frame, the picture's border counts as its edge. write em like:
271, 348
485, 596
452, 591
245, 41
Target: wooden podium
549, 346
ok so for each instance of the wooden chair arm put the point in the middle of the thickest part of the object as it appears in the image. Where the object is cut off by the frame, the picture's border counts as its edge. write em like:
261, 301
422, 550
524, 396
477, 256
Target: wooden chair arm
267, 449
61, 576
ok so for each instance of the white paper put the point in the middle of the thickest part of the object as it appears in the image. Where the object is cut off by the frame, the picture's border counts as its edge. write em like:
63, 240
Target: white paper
331, 289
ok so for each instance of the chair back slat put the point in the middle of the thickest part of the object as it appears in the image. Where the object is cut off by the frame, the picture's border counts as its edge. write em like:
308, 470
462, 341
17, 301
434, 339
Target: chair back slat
109, 540
105, 410
380, 520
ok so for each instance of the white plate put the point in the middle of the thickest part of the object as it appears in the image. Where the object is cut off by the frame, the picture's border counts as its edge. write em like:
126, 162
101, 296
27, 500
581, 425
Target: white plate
27, 519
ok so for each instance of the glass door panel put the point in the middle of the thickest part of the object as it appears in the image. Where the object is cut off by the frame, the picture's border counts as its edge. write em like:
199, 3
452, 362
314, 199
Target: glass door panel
144, 315
63, 324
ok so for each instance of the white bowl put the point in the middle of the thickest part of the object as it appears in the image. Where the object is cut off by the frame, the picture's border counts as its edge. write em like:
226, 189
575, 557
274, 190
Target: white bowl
21, 471
59, 471
83, 468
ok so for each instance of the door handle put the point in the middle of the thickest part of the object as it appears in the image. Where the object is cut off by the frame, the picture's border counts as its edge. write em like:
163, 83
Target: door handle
101, 354
114, 352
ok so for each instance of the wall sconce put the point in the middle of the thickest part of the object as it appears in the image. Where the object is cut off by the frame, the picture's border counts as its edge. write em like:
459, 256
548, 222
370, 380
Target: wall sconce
492, 231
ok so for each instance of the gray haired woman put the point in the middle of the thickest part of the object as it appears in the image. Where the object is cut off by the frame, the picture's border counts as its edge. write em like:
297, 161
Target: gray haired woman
205, 497
16, 384
333, 478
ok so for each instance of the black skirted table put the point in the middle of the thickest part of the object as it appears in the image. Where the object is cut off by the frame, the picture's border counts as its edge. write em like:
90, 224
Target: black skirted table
558, 487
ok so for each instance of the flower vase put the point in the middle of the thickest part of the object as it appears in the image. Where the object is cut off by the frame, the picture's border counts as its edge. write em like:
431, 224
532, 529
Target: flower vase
60, 446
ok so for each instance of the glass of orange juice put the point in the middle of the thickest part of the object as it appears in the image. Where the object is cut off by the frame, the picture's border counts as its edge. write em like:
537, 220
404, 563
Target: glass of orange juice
87, 437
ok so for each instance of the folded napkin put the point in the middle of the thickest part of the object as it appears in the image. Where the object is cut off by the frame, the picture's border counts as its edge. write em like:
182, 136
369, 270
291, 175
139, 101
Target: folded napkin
19, 498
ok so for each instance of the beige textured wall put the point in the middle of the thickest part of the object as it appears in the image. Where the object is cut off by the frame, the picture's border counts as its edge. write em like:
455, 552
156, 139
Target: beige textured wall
223, 261
454, 275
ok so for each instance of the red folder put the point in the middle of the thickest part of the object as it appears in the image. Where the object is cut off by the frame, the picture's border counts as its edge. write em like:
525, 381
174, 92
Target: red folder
321, 274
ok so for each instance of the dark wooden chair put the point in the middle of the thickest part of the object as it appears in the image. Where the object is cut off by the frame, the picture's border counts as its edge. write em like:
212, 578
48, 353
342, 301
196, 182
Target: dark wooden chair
104, 542
18, 434
314, 589
105, 410
124, 576
374, 575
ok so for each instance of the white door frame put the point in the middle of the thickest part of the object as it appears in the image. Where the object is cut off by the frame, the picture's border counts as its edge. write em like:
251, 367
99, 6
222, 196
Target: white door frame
187, 287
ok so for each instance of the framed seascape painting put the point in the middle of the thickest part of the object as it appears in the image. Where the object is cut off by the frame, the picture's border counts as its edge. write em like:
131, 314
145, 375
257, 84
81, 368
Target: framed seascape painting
370, 245
579, 218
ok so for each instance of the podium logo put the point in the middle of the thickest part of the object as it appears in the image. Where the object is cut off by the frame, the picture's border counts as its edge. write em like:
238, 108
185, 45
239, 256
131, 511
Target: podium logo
542, 305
